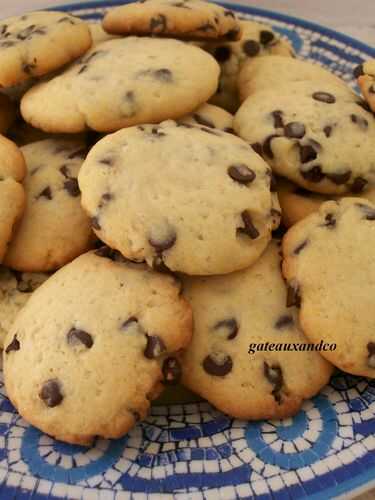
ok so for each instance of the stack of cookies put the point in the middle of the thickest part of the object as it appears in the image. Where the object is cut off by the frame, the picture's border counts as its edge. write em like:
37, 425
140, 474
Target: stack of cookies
138, 217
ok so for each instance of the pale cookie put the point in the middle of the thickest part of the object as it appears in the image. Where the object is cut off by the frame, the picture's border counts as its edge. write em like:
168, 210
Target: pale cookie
316, 134
330, 268
39, 42
93, 345
365, 73
192, 199
256, 40
189, 19
233, 315
15, 290
275, 71
123, 82
297, 203
12, 195
210, 116
54, 228
7, 113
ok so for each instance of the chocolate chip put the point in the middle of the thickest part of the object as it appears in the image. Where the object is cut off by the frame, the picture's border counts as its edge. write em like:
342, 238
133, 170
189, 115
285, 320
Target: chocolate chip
66, 19
107, 160
203, 121
284, 321
277, 119
45, 193
65, 171
206, 27
368, 211
105, 198
50, 393
25, 33
327, 131
28, 68
340, 178
280, 232
228, 13
230, 325
266, 148
111, 254
154, 347
222, 53
232, 34
360, 121
164, 75
251, 48
79, 153
13, 346
274, 375
95, 223
164, 242
82, 69
314, 174
241, 173
209, 130
307, 153
294, 130
128, 322
371, 354
71, 185
76, 336
293, 297
358, 71
249, 229
171, 371
217, 365
257, 147
158, 23
266, 37
358, 185
300, 247
325, 97
229, 130
329, 221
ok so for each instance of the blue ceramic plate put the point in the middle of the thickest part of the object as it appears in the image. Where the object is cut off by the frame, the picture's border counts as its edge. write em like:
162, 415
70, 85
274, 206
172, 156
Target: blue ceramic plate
191, 451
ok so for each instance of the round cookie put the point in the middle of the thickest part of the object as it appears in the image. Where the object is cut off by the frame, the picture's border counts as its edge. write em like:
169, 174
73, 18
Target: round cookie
12, 195
234, 314
93, 345
200, 204
54, 229
275, 71
210, 116
297, 203
316, 134
330, 270
15, 290
188, 19
365, 73
7, 113
39, 42
146, 80
256, 40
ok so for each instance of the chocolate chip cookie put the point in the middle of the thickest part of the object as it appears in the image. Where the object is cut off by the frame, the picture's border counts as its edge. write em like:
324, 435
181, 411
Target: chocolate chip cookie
39, 42
234, 315
318, 135
12, 195
54, 228
123, 82
365, 73
297, 203
188, 19
183, 197
275, 71
330, 270
256, 40
15, 290
93, 345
